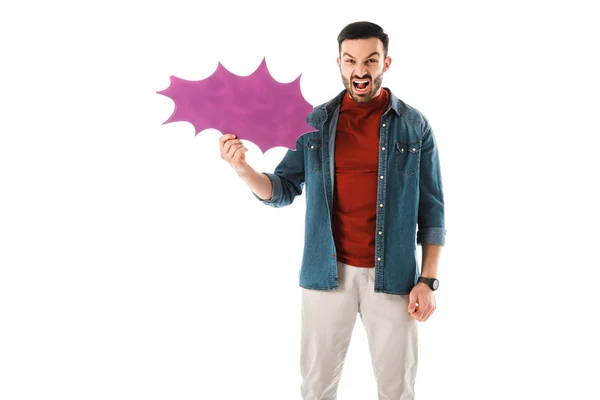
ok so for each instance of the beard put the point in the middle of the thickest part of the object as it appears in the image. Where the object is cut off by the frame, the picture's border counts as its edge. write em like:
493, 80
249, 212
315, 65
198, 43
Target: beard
374, 85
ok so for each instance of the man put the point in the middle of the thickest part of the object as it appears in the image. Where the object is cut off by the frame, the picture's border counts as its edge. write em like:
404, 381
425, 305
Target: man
373, 194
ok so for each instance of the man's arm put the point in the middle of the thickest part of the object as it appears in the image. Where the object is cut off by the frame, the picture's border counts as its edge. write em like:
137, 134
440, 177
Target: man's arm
277, 189
234, 152
259, 183
421, 299
431, 234
430, 259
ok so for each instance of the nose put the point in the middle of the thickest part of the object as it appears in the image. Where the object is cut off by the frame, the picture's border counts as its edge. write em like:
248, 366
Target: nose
361, 71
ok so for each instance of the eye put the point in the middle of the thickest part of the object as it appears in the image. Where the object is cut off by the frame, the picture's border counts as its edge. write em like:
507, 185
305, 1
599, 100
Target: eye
349, 61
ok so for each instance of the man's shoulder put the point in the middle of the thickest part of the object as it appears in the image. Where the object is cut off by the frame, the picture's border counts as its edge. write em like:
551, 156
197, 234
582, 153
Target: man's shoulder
320, 112
407, 111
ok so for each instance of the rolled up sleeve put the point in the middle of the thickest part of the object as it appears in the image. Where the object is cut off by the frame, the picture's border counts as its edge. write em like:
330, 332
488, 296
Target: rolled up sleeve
431, 225
288, 178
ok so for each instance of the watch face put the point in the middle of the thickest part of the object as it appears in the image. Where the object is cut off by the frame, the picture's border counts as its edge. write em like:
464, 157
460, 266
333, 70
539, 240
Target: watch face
436, 283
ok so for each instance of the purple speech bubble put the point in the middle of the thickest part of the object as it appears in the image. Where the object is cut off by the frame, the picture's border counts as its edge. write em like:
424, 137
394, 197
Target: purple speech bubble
256, 108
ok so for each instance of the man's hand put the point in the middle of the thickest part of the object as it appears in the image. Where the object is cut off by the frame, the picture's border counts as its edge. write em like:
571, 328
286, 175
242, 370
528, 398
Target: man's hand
232, 151
421, 302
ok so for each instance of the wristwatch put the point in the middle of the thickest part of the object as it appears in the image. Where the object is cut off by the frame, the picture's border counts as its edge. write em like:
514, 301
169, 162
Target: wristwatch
431, 282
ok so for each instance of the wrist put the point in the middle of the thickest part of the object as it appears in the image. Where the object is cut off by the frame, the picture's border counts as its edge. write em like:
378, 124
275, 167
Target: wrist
244, 171
431, 283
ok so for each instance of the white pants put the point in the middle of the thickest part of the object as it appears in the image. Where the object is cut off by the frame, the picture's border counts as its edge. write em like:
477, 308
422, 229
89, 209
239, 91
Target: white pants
328, 319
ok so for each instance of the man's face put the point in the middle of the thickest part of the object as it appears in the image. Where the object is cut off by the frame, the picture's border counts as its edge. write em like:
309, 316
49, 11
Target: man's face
362, 65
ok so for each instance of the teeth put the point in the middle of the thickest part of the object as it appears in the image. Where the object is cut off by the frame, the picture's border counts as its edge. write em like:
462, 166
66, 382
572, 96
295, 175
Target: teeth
365, 81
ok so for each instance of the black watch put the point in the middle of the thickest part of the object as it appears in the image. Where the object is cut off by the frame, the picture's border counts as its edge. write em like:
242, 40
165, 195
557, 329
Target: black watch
431, 282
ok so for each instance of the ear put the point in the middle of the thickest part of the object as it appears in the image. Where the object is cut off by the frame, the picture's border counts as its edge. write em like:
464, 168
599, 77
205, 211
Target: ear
338, 62
386, 63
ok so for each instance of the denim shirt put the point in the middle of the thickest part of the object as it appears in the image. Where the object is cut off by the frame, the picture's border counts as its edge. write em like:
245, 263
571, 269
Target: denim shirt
410, 202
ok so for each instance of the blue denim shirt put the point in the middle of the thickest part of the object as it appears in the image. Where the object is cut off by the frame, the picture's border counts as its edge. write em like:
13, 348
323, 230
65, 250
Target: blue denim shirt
410, 201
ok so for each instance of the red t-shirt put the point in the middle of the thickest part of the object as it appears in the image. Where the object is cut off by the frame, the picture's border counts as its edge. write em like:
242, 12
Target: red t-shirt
356, 166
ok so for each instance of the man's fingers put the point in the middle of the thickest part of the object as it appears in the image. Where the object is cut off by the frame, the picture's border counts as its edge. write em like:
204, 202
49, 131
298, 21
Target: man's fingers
234, 155
230, 150
226, 136
412, 302
414, 309
428, 313
229, 144
236, 150
423, 312
433, 307
224, 139
238, 154
418, 315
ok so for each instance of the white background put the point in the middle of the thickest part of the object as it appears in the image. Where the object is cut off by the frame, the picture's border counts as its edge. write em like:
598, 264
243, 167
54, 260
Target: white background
136, 265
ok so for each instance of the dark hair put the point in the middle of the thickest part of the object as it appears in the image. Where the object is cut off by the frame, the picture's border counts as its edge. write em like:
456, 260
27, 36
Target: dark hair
363, 30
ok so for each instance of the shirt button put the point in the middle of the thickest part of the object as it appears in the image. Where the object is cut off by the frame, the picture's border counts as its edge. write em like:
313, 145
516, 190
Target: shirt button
381, 233
383, 148
381, 176
378, 258
312, 147
383, 125
414, 149
381, 205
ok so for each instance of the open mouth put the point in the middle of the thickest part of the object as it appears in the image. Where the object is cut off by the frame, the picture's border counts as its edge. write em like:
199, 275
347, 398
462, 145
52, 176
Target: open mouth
361, 85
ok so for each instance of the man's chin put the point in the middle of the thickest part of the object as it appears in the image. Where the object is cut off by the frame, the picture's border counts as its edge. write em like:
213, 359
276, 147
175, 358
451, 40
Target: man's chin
361, 97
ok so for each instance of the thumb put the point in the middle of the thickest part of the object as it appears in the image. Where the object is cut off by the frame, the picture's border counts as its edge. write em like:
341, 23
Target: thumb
412, 304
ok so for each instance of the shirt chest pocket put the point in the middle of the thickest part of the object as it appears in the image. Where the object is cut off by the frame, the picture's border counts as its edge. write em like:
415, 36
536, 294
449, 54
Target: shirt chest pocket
408, 157
313, 154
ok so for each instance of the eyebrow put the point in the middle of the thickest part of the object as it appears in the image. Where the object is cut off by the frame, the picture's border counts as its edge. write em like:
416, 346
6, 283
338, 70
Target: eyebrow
370, 55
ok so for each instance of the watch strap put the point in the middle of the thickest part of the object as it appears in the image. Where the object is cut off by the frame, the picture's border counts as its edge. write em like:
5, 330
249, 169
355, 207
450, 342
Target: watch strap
428, 281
